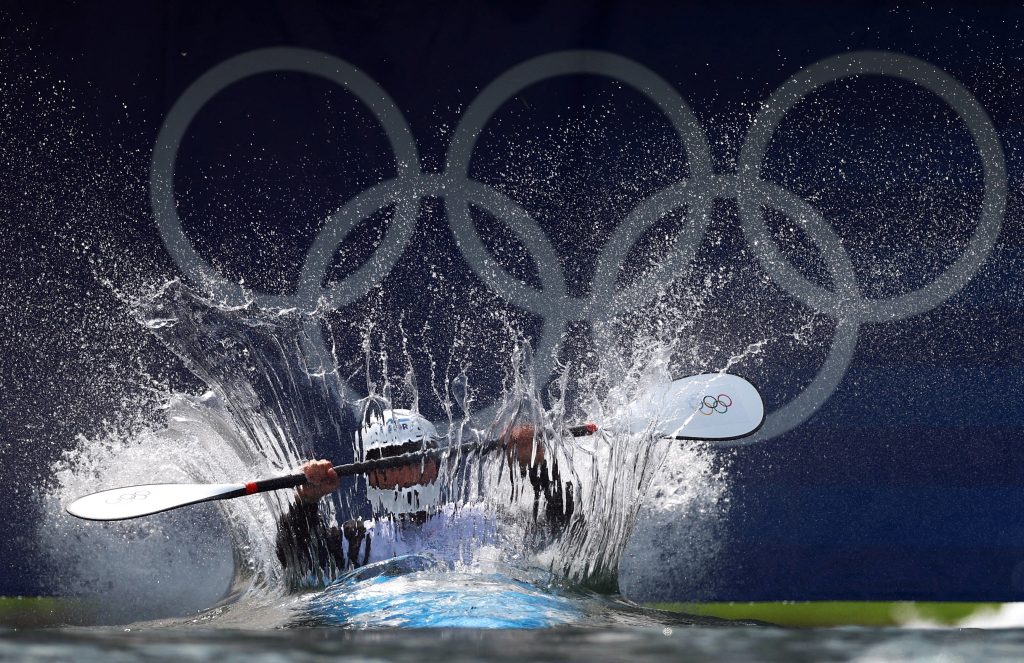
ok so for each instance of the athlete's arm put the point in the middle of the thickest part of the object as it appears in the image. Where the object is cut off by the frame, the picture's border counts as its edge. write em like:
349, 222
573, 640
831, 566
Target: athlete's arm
558, 497
304, 539
321, 480
519, 445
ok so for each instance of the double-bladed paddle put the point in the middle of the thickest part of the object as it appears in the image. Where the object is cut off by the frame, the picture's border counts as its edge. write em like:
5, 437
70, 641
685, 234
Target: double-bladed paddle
713, 406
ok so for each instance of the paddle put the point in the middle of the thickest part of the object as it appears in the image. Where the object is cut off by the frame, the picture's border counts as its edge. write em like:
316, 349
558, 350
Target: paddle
714, 406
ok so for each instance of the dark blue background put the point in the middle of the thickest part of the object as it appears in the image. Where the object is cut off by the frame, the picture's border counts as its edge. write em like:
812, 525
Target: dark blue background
906, 484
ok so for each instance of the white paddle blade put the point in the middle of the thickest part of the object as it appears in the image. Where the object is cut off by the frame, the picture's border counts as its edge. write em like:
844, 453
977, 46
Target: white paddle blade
713, 406
135, 501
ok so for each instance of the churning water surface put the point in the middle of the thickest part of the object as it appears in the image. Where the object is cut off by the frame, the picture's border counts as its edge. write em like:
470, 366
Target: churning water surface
635, 644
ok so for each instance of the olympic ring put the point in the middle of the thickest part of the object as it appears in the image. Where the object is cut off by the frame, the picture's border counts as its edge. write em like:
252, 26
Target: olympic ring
188, 105
846, 305
956, 97
711, 404
121, 498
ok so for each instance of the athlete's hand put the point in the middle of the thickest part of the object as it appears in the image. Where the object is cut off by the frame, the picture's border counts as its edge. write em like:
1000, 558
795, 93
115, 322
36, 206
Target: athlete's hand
519, 443
321, 480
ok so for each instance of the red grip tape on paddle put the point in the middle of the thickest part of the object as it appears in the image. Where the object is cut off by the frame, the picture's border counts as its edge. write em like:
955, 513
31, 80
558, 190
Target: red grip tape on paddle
251, 488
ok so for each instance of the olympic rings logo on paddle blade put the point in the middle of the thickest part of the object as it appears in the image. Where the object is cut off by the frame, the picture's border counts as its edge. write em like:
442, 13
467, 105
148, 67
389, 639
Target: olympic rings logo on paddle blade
845, 305
121, 498
711, 404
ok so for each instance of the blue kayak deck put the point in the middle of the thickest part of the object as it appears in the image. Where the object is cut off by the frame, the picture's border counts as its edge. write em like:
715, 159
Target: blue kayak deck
416, 592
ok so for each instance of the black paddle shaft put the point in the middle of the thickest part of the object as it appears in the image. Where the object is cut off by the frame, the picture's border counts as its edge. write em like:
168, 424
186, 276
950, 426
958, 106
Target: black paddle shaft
366, 466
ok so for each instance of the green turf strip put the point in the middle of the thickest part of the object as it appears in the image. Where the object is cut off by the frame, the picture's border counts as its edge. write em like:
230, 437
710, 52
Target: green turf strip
837, 613
34, 612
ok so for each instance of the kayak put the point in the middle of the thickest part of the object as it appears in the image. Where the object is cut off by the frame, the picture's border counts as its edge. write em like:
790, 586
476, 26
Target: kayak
416, 591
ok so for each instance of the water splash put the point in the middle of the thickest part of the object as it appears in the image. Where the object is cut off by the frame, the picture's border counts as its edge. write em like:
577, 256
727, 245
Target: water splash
274, 400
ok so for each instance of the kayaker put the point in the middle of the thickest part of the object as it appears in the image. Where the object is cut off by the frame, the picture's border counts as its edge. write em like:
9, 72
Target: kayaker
409, 510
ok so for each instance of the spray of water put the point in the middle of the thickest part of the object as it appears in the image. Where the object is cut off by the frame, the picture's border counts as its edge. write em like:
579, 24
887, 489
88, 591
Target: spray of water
285, 385
273, 402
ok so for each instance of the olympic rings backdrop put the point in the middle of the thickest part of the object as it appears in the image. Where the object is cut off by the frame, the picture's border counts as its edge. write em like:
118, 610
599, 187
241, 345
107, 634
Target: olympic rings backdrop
552, 303
839, 186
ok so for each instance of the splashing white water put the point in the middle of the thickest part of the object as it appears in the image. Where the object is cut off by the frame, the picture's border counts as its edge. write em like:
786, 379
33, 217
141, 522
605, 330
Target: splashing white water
171, 563
269, 399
